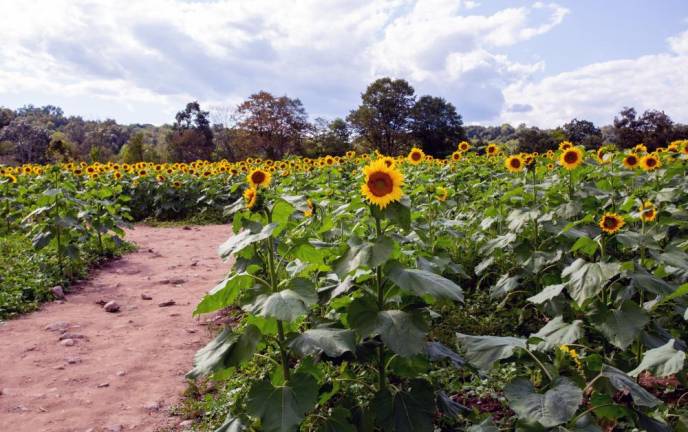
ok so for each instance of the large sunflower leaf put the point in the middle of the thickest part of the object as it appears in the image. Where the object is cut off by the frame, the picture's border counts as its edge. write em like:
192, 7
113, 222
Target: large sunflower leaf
558, 332
586, 279
623, 325
228, 349
333, 342
362, 253
245, 238
422, 282
486, 425
663, 361
281, 409
556, 406
286, 305
624, 383
224, 294
338, 421
548, 293
406, 411
483, 351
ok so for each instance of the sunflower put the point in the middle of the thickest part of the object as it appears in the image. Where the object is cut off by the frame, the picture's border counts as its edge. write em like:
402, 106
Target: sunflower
648, 211
514, 164
492, 150
464, 146
389, 161
565, 145
550, 166
382, 184
571, 158
11, 178
259, 178
415, 156
441, 193
177, 184
604, 155
329, 160
309, 211
640, 148
650, 162
631, 161
611, 222
250, 197
456, 156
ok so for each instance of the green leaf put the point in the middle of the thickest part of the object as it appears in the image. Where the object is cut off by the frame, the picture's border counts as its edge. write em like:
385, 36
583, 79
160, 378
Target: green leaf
231, 424
557, 332
483, 351
228, 349
586, 280
556, 406
548, 293
338, 421
678, 292
245, 238
486, 425
621, 326
585, 245
286, 305
624, 383
281, 409
661, 361
366, 254
224, 294
422, 282
333, 342
607, 409
406, 411
504, 285
403, 332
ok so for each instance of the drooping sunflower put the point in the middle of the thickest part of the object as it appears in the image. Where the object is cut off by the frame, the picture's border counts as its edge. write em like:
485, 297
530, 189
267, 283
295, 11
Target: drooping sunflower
571, 158
250, 197
631, 161
441, 193
640, 148
464, 146
514, 164
415, 156
382, 184
648, 211
309, 211
611, 223
11, 178
650, 162
259, 178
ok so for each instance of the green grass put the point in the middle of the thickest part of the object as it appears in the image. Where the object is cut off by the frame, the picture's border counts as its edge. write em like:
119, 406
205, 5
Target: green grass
26, 276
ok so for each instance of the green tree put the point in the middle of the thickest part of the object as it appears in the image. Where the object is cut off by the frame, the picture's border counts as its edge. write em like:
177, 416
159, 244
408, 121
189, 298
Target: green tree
436, 126
583, 132
192, 137
330, 137
60, 148
133, 150
383, 118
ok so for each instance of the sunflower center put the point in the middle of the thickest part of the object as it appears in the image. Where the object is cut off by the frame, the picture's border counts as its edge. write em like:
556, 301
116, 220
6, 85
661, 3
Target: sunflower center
609, 222
631, 160
515, 163
380, 184
258, 177
571, 157
651, 162
415, 156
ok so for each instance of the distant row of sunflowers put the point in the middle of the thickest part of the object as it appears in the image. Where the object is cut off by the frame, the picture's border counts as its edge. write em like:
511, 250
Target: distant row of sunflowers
568, 156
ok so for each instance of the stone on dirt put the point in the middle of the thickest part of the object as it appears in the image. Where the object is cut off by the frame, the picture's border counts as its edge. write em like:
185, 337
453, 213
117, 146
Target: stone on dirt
58, 292
145, 296
111, 307
167, 303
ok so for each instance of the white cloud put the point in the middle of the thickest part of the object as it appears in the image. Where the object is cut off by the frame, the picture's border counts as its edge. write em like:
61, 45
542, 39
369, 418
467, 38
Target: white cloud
141, 61
597, 91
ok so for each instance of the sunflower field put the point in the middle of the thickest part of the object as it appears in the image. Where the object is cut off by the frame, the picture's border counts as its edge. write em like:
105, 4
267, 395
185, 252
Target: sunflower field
481, 292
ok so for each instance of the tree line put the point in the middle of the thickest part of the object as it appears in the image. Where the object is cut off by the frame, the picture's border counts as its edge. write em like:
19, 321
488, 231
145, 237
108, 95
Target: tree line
390, 118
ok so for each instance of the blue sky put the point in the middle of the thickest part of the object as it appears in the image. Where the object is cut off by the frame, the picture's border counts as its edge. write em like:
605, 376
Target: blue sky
537, 62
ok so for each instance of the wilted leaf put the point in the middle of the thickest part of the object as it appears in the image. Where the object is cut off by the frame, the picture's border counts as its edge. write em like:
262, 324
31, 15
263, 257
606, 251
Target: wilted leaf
333, 342
228, 349
624, 383
662, 361
483, 351
557, 332
556, 406
421, 282
586, 280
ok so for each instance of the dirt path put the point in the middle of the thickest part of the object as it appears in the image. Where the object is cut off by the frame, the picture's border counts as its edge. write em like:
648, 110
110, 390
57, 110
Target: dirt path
121, 371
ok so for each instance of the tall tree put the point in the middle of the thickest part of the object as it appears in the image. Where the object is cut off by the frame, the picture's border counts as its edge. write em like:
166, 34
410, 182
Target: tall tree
272, 126
329, 138
657, 128
383, 118
535, 140
627, 128
192, 137
583, 132
30, 141
436, 125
